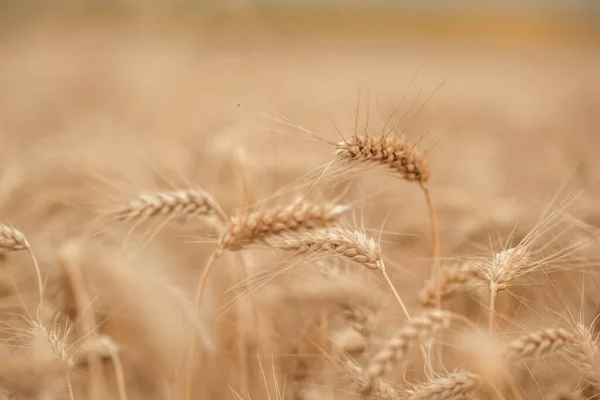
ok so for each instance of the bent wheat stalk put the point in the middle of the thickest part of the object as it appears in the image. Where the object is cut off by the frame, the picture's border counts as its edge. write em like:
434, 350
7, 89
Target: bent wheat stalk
11, 240
351, 245
404, 160
248, 229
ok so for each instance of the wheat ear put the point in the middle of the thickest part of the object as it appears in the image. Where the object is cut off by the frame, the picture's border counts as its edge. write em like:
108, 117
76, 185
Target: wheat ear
454, 385
11, 240
500, 271
175, 202
407, 162
396, 348
538, 343
247, 229
350, 245
453, 279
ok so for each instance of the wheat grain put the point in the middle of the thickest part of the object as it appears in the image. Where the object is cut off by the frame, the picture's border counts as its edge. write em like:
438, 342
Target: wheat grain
451, 386
396, 348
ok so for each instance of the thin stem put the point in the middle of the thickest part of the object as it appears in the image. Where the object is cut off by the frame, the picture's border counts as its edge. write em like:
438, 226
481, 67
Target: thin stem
40, 283
436, 246
192, 345
493, 292
391, 285
69, 385
116, 359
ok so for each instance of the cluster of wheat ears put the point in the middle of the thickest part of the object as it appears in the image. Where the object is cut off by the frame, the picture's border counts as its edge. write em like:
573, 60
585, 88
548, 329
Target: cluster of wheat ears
68, 346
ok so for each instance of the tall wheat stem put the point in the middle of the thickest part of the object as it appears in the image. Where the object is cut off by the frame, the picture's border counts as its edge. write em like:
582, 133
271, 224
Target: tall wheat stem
436, 245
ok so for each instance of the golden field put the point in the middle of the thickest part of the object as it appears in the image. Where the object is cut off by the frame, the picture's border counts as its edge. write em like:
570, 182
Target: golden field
256, 110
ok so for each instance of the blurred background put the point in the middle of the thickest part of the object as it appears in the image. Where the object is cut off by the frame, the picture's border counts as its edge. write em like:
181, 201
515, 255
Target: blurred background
491, 83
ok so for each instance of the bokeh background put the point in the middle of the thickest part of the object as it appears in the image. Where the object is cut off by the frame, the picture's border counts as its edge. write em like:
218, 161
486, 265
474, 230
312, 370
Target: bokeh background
102, 100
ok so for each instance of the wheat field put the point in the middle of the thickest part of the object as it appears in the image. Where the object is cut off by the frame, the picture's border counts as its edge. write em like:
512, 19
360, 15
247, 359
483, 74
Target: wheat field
261, 214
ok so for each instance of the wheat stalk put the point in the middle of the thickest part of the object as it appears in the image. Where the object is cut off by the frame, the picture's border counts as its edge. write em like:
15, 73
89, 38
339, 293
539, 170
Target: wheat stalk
175, 202
538, 343
454, 385
11, 239
406, 162
396, 348
69, 258
453, 279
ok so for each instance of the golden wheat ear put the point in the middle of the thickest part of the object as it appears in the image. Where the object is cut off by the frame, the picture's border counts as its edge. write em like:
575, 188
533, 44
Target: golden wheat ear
350, 245
184, 202
405, 161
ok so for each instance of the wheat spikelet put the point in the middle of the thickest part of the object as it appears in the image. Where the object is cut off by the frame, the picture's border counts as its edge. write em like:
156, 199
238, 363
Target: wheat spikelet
244, 230
396, 153
351, 245
176, 202
453, 279
538, 343
395, 350
451, 386
505, 266
11, 239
